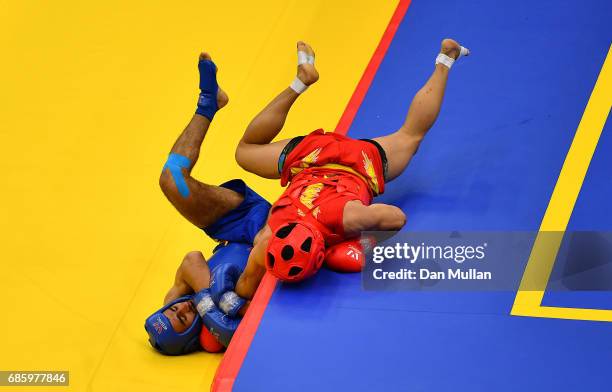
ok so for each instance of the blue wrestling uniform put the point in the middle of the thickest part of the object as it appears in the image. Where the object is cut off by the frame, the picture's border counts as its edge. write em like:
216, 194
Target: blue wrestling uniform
236, 230
243, 222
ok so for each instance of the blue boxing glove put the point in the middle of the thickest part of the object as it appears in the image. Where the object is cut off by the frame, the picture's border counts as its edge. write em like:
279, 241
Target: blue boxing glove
222, 284
207, 101
220, 325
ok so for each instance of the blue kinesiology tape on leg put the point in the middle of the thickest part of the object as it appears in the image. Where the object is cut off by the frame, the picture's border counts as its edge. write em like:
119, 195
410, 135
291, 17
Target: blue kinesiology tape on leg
207, 101
176, 163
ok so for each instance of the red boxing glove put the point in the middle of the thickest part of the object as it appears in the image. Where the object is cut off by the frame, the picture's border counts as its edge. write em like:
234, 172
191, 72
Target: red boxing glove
209, 343
348, 256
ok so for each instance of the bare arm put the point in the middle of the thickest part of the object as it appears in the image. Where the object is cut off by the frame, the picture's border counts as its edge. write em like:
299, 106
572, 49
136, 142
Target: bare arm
191, 276
357, 218
384, 217
249, 280
255, 270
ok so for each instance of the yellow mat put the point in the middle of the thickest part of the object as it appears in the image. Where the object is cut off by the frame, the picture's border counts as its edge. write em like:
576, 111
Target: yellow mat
93, 96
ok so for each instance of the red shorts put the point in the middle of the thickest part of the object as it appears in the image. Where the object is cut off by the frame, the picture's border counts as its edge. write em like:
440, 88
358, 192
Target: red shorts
325, 171
319, 149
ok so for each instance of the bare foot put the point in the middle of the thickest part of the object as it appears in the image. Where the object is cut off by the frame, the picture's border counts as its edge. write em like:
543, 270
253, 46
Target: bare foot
451, 48
307, 73
222, 98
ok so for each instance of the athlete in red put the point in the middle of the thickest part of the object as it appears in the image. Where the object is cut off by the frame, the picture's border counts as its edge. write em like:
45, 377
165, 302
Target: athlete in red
331, 178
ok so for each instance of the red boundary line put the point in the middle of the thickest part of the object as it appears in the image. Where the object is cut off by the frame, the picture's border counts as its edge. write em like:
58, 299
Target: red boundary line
241, 341
236, 352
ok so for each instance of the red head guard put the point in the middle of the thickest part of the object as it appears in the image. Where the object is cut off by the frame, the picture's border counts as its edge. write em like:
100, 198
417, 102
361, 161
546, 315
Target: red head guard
295, 251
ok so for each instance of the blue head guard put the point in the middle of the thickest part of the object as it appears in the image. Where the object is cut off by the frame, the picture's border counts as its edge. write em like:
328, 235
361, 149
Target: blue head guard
166, 340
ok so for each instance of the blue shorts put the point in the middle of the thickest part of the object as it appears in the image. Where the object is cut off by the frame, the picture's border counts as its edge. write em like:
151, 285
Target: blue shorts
243, 222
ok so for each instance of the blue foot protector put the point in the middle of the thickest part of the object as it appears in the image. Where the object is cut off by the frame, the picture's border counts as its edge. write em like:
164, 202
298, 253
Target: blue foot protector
176, 163
207, 102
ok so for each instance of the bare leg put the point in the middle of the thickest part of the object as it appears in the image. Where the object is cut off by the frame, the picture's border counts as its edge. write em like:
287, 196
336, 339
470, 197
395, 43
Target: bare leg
403, 144
205, 203
270, 121
255, 152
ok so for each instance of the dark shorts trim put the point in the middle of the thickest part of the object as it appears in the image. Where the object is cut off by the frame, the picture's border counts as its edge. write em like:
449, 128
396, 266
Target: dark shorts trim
243, 222
287, 150
383, 156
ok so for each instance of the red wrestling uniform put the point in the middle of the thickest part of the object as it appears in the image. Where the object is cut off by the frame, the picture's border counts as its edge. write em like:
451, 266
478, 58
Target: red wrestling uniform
324, 172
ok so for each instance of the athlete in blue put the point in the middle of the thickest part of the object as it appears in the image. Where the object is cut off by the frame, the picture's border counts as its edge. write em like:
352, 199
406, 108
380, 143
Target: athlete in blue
231, 213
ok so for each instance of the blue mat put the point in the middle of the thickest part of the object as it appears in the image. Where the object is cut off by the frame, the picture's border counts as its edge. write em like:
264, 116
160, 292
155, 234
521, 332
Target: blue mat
490, 163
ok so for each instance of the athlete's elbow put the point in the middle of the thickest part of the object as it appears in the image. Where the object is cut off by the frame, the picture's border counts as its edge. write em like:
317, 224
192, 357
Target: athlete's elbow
396, 219
400, 220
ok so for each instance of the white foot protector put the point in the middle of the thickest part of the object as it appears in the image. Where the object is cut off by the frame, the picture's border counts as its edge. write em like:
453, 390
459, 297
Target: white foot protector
297, 85
449, 61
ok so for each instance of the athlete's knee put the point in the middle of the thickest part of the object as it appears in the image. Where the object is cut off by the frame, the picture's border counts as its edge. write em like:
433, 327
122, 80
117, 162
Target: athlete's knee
408, 140
165, 181
245, 157
242, 155
410, 134
173, 177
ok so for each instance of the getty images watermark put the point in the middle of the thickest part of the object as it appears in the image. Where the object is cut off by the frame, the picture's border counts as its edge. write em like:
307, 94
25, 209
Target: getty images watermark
413, 254
475, 261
